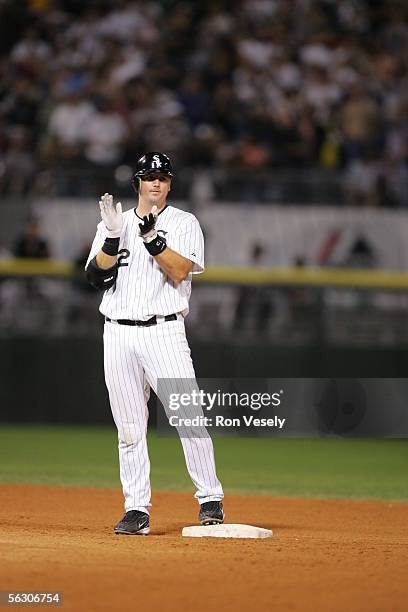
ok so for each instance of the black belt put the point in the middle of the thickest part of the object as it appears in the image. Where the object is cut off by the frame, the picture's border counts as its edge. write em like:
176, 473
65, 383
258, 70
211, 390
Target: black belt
148, 323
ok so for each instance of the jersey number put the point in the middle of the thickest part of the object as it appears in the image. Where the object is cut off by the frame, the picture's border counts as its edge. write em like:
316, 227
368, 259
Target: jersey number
123, 254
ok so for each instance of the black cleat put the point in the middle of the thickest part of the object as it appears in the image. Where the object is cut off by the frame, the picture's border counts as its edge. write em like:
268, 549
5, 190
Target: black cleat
133, 523
211, 513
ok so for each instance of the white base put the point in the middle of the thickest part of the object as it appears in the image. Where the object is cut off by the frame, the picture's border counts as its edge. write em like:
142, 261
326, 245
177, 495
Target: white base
226, 531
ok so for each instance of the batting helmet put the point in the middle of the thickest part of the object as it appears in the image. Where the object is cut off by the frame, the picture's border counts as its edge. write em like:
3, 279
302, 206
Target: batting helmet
151, 163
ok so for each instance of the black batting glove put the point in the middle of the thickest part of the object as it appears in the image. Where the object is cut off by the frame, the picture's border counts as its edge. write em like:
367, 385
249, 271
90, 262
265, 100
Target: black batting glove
154, 243
148, 227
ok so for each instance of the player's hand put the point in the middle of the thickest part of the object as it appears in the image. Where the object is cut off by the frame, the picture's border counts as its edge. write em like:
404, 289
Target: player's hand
148, 228
111, 215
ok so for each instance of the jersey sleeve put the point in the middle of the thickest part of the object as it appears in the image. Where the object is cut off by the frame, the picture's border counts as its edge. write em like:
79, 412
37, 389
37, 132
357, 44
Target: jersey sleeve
189, 242
97, 244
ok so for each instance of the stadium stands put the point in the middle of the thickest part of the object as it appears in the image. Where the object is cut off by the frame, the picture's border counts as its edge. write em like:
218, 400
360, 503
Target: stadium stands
245, 89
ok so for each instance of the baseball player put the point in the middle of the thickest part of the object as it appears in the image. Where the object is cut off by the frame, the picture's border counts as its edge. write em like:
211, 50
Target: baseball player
143, 260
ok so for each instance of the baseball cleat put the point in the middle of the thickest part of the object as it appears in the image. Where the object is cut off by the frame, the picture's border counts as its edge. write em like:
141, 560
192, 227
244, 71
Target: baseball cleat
133, 523
211, 513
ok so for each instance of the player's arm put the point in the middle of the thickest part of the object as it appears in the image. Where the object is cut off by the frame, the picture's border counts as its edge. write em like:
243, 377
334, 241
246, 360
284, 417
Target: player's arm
173, 264
102, 269
104, 261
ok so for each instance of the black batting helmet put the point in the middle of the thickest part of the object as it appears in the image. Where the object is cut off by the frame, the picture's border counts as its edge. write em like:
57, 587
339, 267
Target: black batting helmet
149, 163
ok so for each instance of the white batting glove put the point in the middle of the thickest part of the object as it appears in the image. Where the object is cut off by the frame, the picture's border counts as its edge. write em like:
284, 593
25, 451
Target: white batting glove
111, 215
148, 228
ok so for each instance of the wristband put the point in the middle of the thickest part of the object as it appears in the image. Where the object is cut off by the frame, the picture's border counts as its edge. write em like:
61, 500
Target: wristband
156, 246
111, 246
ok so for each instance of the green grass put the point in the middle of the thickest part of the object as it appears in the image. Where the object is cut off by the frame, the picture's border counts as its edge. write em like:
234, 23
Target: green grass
87, 456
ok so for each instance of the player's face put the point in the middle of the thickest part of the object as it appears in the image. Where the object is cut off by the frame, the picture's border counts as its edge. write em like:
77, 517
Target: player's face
154, 188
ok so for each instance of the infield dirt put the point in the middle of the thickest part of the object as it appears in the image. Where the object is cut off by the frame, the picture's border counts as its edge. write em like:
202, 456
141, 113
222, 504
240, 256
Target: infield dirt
325, 555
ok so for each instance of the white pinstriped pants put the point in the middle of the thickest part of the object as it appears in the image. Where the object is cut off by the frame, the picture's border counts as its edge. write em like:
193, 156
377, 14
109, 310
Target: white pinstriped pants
134, 359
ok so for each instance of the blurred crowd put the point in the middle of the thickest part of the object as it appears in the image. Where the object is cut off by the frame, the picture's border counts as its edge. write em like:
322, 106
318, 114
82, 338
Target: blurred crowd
247, 85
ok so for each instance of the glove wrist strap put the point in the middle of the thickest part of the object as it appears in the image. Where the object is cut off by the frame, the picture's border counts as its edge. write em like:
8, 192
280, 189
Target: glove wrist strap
156, 246
150, 236
114, 233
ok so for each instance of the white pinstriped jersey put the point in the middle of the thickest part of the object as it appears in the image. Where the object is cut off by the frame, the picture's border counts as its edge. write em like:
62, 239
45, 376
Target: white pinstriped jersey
142, 289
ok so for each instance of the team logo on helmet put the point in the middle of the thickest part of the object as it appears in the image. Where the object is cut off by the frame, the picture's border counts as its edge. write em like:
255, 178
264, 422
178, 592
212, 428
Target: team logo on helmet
156, 163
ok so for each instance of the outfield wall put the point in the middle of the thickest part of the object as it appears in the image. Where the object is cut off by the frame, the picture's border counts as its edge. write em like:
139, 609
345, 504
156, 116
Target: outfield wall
61, 380
317, 235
